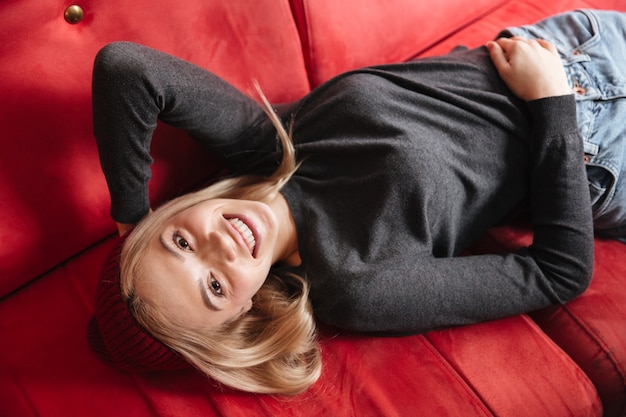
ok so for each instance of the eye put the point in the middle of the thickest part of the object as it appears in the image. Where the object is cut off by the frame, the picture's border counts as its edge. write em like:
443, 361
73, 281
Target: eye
215, 287
181, 242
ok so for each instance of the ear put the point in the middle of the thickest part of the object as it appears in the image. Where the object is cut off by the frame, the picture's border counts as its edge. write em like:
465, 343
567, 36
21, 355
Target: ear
247, 307
243, 310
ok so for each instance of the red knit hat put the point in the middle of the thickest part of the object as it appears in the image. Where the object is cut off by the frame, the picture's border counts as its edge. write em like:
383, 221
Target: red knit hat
116, 335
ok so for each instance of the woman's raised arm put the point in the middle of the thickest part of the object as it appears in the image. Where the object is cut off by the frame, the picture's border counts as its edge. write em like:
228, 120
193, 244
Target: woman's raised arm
134, 86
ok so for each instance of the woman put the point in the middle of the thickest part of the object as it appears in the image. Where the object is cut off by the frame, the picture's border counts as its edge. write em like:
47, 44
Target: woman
398, 169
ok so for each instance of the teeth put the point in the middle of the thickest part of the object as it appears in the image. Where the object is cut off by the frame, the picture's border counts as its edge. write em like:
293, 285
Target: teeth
245, 232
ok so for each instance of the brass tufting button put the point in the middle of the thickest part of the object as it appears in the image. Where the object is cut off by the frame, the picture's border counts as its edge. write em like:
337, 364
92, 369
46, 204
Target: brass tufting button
74, 14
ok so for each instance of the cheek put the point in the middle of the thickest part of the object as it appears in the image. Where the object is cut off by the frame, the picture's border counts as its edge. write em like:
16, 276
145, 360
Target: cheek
253, 280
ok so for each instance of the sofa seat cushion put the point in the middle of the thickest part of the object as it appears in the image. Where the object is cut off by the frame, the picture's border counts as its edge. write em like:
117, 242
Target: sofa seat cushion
592, 328
505, 368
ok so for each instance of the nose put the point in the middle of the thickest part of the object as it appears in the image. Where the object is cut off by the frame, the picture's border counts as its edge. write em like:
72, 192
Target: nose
220, 247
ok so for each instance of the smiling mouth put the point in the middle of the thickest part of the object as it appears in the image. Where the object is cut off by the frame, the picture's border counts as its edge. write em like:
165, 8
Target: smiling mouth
245, 232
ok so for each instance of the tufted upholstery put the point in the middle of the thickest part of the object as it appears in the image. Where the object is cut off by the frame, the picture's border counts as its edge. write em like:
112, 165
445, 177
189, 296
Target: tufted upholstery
55, 230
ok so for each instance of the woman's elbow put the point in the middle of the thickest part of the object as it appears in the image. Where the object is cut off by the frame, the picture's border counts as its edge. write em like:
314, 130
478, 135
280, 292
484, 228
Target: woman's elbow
574, 279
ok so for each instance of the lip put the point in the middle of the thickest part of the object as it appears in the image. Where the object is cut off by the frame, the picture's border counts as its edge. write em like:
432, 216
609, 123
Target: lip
237, 235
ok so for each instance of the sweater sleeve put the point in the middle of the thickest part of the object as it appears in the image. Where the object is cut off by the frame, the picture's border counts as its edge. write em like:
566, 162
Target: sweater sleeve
426, 292
560, 203
134, 86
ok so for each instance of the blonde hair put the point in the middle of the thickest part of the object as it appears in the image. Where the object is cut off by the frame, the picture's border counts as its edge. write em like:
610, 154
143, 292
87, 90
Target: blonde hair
273, 347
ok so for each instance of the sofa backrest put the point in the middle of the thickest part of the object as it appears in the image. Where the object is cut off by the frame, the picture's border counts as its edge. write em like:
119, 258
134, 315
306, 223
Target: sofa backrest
54, 199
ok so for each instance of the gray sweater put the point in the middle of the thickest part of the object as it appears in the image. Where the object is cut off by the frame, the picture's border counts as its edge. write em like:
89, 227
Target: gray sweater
403, 167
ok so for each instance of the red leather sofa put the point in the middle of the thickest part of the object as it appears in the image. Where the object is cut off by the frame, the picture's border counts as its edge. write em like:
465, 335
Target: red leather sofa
55, 231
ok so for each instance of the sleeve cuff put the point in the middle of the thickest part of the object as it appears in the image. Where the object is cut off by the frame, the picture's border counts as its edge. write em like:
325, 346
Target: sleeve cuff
553, 116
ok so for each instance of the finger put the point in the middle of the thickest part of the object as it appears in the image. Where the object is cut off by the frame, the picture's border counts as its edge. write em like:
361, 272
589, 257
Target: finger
509, 45
548, 45
498, 55
506, 43
124, 228
500, 46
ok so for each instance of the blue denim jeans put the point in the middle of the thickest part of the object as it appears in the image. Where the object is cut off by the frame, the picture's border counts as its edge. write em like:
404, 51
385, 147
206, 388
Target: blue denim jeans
592, 46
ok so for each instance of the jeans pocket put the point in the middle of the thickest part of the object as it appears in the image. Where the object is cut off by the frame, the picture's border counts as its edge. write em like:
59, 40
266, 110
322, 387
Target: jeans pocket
600, 180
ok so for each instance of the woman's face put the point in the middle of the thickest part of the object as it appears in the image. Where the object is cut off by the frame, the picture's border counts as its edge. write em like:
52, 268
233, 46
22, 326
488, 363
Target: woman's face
206, 263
